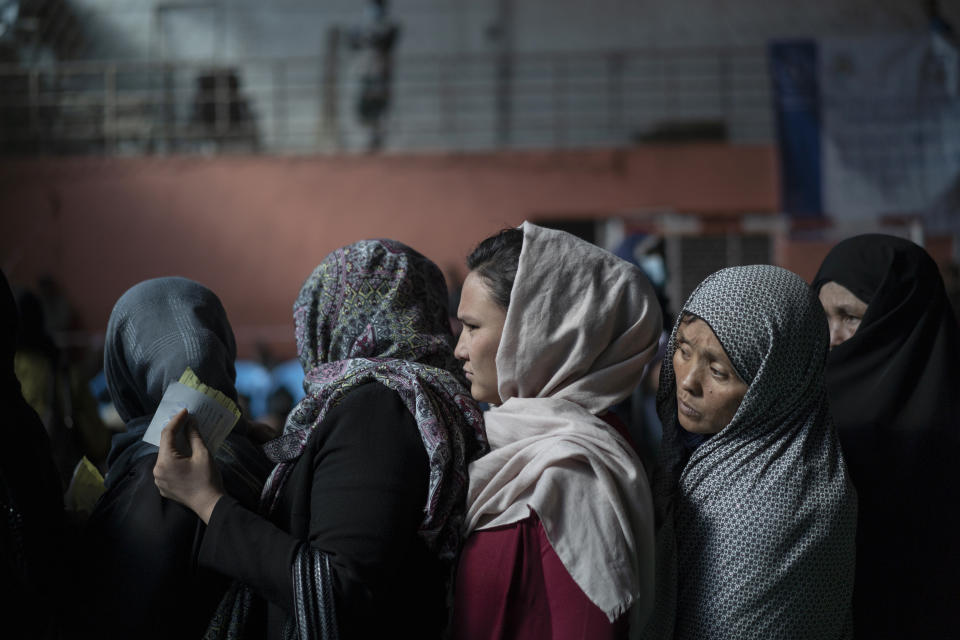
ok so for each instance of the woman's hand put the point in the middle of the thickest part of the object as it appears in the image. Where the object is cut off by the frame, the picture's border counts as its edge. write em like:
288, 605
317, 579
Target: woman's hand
191, 478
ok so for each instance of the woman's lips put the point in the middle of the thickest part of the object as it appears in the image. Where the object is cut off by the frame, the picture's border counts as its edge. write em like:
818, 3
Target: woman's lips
686, 409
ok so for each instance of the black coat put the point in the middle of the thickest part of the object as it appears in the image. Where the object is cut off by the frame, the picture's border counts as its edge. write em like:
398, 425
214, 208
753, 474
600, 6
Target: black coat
357, 493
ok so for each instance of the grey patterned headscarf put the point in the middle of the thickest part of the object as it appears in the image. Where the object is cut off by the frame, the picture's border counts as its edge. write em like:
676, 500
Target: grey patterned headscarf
757, 524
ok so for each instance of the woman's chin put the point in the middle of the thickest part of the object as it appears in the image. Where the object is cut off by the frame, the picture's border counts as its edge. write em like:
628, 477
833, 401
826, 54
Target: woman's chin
482, 395
691, 426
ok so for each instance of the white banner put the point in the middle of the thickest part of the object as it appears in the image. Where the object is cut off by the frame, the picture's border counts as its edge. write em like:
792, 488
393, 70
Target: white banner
890, 135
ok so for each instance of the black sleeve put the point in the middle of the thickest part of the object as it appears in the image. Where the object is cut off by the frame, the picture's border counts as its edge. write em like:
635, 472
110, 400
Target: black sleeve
248, 548
367, 474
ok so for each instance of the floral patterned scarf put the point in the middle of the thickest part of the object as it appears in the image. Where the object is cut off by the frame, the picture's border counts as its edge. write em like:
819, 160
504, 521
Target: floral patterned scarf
374, 311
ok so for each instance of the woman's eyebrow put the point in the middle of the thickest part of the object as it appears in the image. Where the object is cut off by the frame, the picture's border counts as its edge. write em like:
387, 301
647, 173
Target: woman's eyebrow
720, 359
849, 309
713, 355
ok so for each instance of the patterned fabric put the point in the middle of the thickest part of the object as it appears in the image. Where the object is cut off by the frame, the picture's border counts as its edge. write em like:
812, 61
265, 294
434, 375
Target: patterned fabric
376, 311
231, 619
757, 526
316, 615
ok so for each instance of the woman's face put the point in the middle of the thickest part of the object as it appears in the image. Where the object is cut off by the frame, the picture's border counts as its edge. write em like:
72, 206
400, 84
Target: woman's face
709, 390
844, 311
482, 320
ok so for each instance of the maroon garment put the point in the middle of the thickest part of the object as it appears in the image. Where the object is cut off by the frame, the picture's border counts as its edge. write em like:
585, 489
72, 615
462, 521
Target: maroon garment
614, 421
511, 584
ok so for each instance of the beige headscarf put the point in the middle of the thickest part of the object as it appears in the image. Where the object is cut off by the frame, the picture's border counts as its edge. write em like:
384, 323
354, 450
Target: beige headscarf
580, 327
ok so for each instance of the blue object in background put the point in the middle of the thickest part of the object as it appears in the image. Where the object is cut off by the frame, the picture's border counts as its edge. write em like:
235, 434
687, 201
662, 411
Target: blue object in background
98, 387
289, 376
796, 102
255, 382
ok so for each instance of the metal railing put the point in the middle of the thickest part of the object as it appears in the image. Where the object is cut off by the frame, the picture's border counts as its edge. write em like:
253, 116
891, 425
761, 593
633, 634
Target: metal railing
457, 103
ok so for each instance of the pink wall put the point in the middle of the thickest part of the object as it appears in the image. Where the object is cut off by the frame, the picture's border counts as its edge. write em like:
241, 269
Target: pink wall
252, 228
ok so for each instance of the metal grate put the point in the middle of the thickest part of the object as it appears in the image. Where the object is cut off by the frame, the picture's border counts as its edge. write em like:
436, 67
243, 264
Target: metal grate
306, 104
691, 258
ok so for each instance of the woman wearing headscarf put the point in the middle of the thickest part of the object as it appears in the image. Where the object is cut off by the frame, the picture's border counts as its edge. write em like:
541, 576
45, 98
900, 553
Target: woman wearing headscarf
756, 515
893, 376
141, 578
560, 519
32, 526
361, 517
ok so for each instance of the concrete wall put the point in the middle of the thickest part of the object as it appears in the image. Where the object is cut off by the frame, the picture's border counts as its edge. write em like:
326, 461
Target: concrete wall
252, 228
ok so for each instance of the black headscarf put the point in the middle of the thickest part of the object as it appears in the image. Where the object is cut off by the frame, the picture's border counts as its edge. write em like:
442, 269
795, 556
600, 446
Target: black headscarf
32, 526
902, 367
894, 389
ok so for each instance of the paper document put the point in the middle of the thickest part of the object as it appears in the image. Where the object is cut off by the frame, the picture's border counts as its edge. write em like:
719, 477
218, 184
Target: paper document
215, 414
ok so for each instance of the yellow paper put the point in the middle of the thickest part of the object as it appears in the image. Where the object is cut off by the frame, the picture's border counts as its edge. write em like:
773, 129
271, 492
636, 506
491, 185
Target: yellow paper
190, 379
85, 489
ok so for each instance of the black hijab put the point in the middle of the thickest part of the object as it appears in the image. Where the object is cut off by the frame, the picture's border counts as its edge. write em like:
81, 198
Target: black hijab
902, 367
894, 390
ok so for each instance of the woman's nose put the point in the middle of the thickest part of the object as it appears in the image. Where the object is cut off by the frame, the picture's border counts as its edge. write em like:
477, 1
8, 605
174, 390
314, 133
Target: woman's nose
836, 333
688, 379
460, 352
